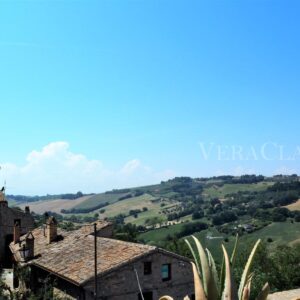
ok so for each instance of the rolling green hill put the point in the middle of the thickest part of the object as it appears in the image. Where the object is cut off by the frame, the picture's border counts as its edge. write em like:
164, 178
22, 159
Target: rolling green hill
286, 233
226, 205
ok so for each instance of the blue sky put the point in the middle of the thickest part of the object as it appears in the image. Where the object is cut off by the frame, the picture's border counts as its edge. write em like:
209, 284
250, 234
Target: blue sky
144, 84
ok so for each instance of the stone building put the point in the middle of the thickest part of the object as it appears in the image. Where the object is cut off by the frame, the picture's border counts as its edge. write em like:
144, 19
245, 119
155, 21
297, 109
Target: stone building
9, 217
123, 269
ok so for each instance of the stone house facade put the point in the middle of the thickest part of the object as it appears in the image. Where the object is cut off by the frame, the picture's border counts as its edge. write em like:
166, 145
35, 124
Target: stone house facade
170, 275
9, 217
123, 269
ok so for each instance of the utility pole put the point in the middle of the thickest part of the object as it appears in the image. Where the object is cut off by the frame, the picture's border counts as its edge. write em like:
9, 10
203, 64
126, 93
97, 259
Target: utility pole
95, 260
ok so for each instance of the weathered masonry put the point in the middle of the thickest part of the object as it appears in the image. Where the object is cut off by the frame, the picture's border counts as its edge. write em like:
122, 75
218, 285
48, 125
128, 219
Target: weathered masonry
11, 219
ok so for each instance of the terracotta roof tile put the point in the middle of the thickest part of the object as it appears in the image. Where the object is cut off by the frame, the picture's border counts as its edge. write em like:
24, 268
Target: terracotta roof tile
72, 257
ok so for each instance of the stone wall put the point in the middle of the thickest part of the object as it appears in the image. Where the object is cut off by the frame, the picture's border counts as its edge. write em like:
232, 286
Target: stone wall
8, 217
122, 283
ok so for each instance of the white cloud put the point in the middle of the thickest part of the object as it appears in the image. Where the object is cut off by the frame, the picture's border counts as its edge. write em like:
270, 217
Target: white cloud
55, 169
131, 166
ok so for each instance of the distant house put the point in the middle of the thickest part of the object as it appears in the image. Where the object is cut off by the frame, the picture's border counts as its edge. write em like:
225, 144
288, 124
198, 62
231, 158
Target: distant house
123, 269
9, 218
247, 227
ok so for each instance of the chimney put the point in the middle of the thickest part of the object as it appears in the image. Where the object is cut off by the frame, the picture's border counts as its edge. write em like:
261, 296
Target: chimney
17, 232
51, 229
3, 202
30, 244
27, 210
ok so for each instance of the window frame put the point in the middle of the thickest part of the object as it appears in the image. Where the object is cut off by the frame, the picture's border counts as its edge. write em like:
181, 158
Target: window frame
169, 266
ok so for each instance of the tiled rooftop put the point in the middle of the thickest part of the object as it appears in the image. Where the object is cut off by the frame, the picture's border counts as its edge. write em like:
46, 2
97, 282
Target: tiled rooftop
72, 255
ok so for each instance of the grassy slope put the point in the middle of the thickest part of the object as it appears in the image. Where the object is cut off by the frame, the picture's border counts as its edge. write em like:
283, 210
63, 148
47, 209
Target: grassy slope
158, 235
133, 203
281, 233
154, 210
100, 199
54, 205
221, 192
124, 206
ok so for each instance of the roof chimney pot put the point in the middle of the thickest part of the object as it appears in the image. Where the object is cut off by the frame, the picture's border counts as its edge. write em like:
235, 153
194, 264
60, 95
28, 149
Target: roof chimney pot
51, 229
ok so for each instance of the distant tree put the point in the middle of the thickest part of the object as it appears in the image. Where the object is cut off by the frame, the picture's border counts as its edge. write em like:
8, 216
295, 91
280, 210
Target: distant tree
224, 217
191, 228
197, 215
79, 194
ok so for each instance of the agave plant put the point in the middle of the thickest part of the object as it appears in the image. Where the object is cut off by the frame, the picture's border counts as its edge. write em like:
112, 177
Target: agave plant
211, 286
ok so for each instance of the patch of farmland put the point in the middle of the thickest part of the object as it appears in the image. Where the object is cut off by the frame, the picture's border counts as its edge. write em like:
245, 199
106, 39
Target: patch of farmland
154, 210
100, 199
124, 206
56, 205
294, 206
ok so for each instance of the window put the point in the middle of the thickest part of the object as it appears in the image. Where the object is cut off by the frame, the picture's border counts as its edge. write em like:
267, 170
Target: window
146, 296
166, 272
147, 267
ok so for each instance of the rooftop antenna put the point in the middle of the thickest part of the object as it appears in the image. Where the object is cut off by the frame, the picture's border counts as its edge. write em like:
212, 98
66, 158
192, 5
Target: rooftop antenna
3, 190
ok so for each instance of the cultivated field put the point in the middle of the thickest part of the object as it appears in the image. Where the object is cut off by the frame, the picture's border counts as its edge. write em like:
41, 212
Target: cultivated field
99, 199
144, 201
53, 205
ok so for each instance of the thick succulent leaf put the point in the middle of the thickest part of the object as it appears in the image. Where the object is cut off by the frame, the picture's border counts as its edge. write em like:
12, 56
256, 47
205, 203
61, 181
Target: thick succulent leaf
247, 269
199, 291
206, 274
232, 259
246, 293
186, 298
165, 298
213, 285
233, 255
196, 259
230, 292
247, 288
263, 295
222, 275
